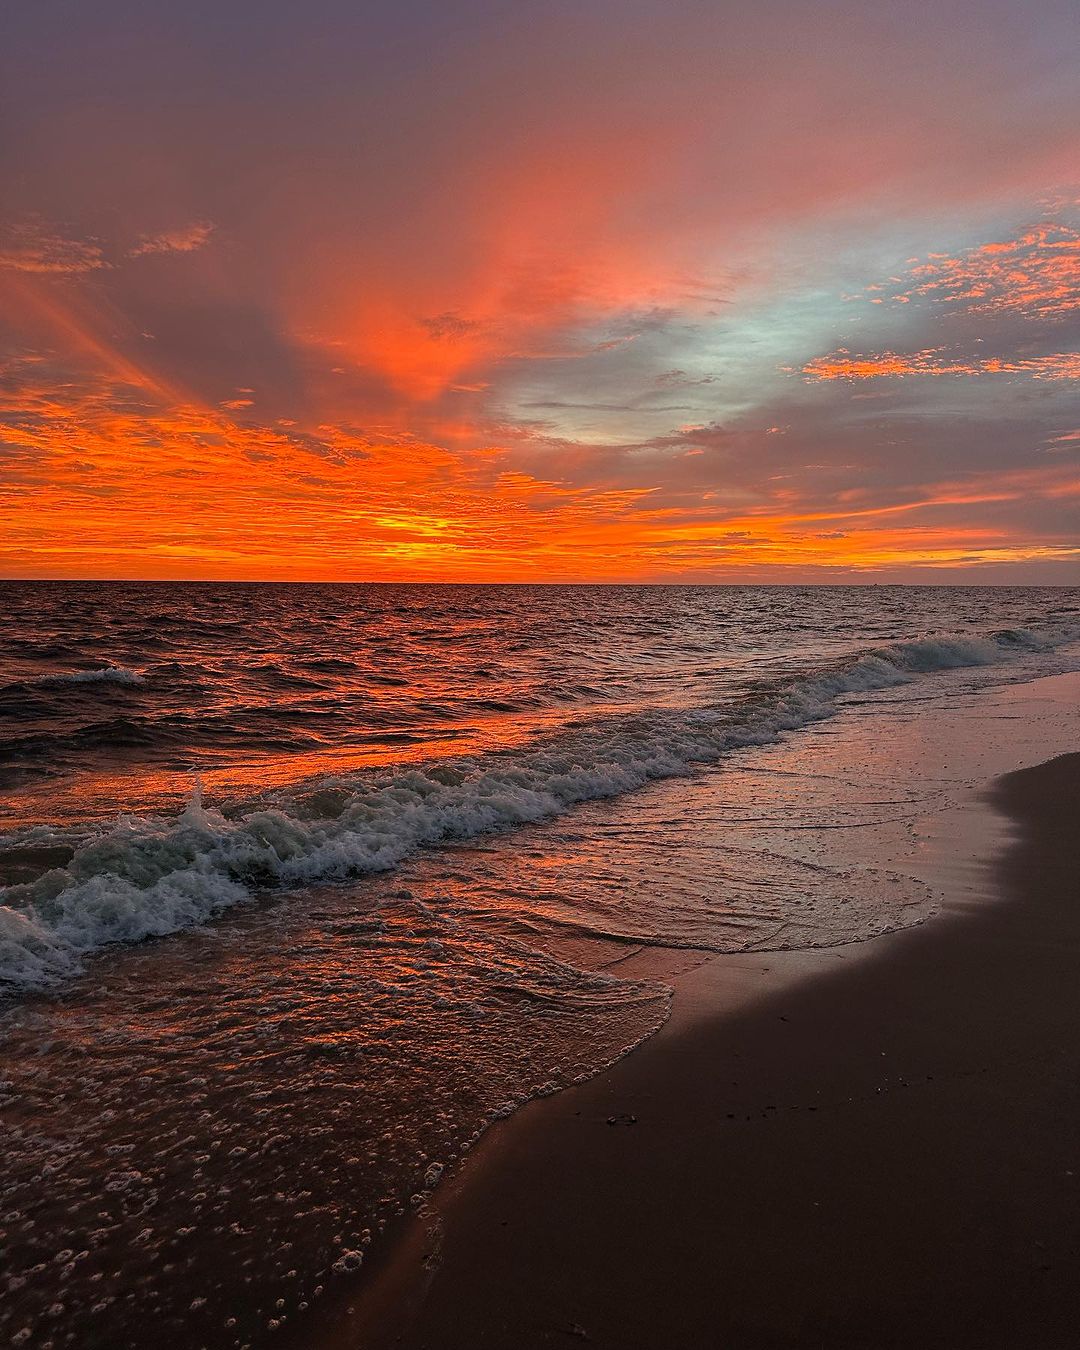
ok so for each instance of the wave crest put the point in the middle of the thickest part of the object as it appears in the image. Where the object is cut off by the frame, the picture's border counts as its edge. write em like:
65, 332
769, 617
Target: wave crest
105, 675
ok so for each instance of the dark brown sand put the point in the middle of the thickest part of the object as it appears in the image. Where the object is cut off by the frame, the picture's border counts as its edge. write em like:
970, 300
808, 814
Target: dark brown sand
885, 1155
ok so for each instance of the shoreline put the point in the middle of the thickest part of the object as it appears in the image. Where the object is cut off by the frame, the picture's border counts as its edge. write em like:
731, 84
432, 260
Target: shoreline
880, 1154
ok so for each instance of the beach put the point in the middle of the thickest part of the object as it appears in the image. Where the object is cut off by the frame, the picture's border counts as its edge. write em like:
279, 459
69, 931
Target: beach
885, 1154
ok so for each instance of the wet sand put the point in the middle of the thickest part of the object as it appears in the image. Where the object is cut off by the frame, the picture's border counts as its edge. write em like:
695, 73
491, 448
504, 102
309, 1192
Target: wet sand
879, 1154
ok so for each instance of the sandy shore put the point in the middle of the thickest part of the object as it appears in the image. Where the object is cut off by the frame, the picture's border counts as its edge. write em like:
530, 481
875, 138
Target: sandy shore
884, 1155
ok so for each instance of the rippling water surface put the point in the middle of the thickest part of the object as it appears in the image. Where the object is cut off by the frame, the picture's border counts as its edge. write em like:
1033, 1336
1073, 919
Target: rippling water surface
112, 694
305, 885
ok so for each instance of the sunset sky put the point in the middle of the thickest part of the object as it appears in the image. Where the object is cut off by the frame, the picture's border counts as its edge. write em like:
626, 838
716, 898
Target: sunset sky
642, 290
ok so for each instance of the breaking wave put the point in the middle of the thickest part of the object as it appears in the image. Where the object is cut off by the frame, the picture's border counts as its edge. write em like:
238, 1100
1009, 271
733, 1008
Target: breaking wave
147, 876
106, 675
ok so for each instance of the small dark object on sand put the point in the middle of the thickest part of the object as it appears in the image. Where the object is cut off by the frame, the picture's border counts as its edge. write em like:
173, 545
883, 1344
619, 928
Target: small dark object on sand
623, 1119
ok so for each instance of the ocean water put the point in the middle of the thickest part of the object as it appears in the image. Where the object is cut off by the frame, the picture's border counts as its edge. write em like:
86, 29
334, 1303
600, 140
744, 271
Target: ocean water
303, 886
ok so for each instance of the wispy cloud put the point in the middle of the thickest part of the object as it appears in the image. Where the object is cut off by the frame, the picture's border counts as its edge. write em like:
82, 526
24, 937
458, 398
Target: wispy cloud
34, 246
29, 245
184, 240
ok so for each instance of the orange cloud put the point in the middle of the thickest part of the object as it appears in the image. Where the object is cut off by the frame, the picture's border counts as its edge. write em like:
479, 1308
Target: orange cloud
107, 478
1036, 274
517, 257
33, 246
184, 240
116, 470
842, 365
30, 246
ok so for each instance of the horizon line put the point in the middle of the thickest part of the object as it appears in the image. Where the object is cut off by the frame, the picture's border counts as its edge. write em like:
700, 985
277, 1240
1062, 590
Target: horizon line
656, 585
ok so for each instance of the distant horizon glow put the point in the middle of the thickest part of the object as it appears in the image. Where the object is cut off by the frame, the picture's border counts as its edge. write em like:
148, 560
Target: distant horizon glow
517, 293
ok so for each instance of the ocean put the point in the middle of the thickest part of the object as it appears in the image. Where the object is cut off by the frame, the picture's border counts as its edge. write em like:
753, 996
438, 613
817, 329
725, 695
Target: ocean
303, 886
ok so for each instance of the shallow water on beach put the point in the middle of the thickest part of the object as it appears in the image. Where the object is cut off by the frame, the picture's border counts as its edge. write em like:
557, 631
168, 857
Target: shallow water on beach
204, 1130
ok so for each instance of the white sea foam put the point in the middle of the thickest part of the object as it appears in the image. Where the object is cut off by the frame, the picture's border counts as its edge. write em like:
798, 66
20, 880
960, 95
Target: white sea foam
149, 876
106, 675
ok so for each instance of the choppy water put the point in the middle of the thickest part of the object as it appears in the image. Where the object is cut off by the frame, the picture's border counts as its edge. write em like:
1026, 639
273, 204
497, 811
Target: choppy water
421, 877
